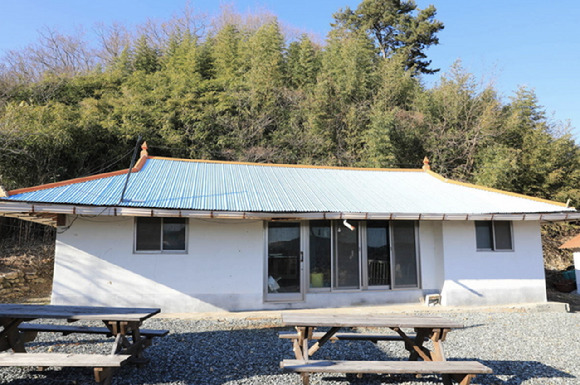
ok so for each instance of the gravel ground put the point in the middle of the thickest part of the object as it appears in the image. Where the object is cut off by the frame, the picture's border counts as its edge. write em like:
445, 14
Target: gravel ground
521, 348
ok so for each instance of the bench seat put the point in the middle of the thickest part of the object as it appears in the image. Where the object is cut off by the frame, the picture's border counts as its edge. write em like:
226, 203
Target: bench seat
69, 329
349, 336
103, 364
463, 371
63, 359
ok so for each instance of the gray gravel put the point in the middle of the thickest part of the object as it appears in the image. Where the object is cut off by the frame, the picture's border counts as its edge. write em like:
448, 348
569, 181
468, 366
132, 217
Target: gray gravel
521, 348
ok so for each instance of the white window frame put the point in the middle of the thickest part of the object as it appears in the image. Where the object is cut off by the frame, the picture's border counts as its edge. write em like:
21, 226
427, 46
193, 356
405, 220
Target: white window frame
160, 251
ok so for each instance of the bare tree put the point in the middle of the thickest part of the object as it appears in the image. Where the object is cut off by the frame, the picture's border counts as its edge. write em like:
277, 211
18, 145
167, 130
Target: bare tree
113, 39
54, 53
186, 24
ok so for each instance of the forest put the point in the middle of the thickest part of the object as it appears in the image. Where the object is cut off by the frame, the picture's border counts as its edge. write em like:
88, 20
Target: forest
248, 88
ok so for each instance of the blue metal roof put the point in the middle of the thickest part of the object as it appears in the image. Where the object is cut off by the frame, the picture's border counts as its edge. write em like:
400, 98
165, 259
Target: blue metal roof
221, 186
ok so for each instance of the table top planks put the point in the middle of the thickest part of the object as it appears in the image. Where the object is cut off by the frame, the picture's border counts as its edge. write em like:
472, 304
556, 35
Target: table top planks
75, 313
374, 320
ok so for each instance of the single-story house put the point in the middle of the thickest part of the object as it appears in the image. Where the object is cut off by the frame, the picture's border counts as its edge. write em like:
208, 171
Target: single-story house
574, 245
196, 235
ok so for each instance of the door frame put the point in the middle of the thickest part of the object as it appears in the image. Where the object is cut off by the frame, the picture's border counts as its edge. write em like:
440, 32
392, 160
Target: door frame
287, 297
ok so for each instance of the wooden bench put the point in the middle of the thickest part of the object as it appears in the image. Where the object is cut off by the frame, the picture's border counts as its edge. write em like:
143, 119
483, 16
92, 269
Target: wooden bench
102, 364
69, 329
349, 336
462, 371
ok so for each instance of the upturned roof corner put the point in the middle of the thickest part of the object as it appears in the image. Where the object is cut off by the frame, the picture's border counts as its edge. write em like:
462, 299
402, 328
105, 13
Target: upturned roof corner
426, 166
144, 149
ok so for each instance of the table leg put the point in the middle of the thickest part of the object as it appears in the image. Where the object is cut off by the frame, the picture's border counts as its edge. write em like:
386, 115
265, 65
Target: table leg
301, 349
415, 347
10, 336
437, 338
323, 340
122, 345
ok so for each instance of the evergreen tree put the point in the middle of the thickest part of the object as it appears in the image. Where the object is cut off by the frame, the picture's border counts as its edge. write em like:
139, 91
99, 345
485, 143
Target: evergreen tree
146, 58
226, 53
462, 117
341, 97
396, 131
397, 27
303, 63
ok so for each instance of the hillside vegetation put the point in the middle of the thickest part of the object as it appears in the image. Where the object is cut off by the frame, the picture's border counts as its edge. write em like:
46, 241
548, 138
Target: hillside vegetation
248, 88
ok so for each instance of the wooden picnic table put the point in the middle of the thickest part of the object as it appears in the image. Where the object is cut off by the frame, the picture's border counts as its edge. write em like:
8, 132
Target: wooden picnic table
306, 343
123, 323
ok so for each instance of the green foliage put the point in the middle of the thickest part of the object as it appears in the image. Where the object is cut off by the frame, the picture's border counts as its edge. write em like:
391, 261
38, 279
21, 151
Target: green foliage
243, 91
146, 57
397, 28
303, 63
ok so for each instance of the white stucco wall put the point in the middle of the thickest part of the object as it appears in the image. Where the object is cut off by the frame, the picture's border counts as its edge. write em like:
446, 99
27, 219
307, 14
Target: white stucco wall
223, 269
431, 256
486, 277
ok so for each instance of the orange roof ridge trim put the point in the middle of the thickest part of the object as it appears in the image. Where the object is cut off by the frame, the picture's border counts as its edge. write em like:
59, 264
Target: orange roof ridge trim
288, 165
138, 166
491, 189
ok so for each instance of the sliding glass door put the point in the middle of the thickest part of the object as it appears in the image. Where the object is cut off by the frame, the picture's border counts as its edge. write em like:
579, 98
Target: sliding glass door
284, 250
346, 256
405, 274
324, 256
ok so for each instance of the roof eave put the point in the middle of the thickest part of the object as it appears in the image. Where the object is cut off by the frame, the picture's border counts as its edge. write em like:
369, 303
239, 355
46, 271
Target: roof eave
47, 214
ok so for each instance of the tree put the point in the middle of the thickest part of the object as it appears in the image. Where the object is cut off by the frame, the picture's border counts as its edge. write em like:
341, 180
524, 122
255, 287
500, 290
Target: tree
396, 130
462, 117
530, 155
341, 98
226, 53
146, 57
303, 62
397, 27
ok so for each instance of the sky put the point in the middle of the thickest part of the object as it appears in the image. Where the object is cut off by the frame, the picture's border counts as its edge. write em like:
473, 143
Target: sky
510, 43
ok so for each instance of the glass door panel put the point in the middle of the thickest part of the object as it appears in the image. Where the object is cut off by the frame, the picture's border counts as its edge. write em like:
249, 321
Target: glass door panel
347, 266
320, 252
284, 258
378, 254
404, 254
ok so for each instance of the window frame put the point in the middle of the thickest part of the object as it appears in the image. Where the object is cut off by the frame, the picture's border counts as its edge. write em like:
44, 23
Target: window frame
161, 250
494, 248
363, 260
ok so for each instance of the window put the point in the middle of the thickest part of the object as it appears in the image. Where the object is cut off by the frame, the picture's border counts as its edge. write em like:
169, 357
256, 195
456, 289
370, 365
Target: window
493, 235
370, 255
160, 234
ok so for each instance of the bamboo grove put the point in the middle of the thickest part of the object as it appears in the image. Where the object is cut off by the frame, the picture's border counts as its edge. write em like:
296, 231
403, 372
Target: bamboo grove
247, 88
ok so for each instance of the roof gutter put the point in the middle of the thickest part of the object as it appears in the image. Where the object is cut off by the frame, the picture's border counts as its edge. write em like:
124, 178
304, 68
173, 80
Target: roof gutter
31, 211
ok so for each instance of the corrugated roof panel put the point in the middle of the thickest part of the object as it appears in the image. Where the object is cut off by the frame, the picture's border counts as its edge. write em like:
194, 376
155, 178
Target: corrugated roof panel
213, 186
573, 243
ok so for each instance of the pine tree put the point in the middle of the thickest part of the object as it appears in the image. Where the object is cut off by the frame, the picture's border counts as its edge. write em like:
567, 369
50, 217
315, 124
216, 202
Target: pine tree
397, 27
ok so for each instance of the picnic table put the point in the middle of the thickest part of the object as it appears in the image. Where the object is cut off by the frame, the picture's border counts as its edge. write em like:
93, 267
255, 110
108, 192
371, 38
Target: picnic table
122, 323
306, 342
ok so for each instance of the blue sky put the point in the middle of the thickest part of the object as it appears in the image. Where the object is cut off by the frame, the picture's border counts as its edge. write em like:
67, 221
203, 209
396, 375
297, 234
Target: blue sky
509, 42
